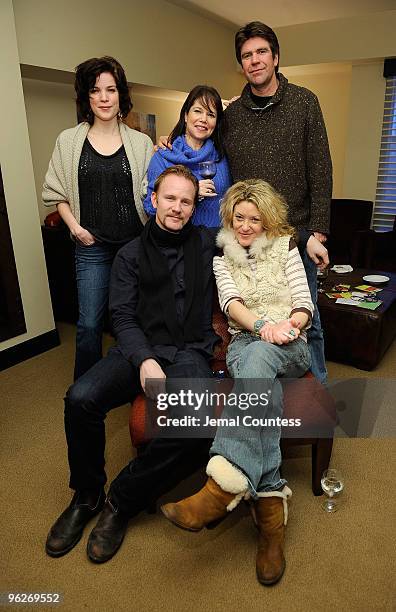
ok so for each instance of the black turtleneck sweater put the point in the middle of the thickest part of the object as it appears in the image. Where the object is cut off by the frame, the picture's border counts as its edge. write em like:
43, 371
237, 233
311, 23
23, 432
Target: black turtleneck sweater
124, 294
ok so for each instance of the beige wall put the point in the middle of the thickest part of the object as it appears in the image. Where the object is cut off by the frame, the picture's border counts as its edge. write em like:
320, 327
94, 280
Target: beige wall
17, 170
364, 131
355, 128
157, 43
50, 108
332, 86
352, 101
166, 111
352, 39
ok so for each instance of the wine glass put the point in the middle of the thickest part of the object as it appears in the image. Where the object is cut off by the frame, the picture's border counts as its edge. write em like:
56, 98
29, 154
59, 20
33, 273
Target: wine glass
332, 484
321, 276
207, 169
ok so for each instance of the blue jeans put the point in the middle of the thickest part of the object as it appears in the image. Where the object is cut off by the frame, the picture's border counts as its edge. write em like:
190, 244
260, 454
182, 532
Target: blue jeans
256, 366
315, 332
93, 266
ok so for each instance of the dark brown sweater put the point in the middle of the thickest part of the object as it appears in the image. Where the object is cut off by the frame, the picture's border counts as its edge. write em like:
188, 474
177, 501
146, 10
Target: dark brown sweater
285, 144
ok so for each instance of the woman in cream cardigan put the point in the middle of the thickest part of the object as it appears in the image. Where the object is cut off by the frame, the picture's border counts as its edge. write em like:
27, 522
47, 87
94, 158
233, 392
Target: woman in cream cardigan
263, 290
95, 178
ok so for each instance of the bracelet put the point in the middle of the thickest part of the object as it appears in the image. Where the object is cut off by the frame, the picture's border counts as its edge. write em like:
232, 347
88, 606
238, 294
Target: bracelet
258, 326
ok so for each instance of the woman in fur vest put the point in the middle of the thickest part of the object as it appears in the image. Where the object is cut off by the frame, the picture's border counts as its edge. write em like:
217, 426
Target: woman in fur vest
264, 292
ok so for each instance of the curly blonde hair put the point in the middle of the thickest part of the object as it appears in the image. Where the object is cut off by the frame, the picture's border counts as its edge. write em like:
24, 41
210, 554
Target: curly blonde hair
270, 204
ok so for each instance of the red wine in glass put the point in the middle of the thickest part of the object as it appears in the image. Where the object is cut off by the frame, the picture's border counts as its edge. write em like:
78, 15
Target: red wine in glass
207, 169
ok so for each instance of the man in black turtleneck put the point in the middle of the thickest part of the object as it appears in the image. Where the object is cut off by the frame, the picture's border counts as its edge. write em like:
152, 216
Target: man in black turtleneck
161, 304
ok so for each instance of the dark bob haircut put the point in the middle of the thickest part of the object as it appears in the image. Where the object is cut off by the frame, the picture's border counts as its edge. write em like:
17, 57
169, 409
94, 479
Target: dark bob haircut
86, 75
253, 29
210, 99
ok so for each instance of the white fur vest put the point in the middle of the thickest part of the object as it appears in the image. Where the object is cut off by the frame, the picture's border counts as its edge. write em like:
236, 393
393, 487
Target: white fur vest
265, 292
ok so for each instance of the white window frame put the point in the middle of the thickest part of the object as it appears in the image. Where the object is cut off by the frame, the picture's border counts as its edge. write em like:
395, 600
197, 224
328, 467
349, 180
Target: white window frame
385, 197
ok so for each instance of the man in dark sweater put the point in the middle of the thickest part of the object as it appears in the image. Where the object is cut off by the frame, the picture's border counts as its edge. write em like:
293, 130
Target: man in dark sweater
161, 306
275, 131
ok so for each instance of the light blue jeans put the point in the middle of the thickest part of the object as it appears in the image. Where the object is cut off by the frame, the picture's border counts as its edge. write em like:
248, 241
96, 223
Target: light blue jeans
315, 332
256, 366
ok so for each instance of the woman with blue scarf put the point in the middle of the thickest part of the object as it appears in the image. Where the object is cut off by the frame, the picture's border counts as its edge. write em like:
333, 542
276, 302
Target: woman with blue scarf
197, 137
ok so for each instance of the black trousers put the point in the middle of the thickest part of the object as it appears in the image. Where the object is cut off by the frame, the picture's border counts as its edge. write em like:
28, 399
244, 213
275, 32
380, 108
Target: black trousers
110, 383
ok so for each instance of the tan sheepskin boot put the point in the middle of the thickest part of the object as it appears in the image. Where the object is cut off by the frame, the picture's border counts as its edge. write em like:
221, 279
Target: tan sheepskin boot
270, 512
222, 492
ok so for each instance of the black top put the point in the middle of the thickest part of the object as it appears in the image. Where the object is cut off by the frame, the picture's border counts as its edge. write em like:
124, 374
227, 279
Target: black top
260, 101
107, 205
124, 287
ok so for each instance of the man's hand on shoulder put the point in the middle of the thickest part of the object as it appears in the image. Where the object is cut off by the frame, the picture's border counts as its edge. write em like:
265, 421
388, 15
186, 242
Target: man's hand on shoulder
163, 143
318, 253
150, 368
226, 103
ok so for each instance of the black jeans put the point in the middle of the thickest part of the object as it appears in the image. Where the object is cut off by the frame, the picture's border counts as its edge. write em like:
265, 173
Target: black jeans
110, 383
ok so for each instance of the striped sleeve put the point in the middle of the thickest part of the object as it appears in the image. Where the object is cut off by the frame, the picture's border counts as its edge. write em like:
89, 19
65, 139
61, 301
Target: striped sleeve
298, 284
226, 288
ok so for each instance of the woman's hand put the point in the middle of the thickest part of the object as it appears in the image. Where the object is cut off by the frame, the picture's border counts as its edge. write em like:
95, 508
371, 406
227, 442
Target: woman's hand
207, 189
281, 333
82, 235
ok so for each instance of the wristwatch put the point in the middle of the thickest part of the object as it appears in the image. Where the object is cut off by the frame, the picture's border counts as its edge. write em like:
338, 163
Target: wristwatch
258, 325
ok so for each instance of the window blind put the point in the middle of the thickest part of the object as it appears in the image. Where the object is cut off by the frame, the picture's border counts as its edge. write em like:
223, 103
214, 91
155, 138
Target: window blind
385, 198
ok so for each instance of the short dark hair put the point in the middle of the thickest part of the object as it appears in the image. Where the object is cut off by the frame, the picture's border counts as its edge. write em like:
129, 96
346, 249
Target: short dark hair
253, 29
86, 74
209, 96
178, 170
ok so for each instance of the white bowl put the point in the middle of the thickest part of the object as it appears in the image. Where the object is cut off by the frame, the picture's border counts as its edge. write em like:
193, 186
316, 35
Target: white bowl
341, 269
376, 279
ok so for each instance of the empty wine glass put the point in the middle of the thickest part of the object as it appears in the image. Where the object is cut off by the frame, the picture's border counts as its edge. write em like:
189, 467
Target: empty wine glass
321, 276
207, 169
332, 484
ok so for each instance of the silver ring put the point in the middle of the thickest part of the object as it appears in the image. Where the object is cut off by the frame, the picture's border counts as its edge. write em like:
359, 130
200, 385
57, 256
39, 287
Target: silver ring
292, 332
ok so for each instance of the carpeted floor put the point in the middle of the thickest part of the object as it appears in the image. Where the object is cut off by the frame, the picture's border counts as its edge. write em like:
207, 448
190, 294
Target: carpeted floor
343, 561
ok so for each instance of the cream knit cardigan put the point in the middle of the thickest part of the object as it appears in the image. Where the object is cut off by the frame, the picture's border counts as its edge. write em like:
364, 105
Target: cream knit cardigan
61, 180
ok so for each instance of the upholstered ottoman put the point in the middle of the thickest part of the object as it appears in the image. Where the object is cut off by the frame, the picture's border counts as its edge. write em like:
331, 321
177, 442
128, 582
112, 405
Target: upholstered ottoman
353, 335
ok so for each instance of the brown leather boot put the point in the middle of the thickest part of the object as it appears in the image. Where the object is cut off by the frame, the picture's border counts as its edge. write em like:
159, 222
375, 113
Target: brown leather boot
271, 517
222, 492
